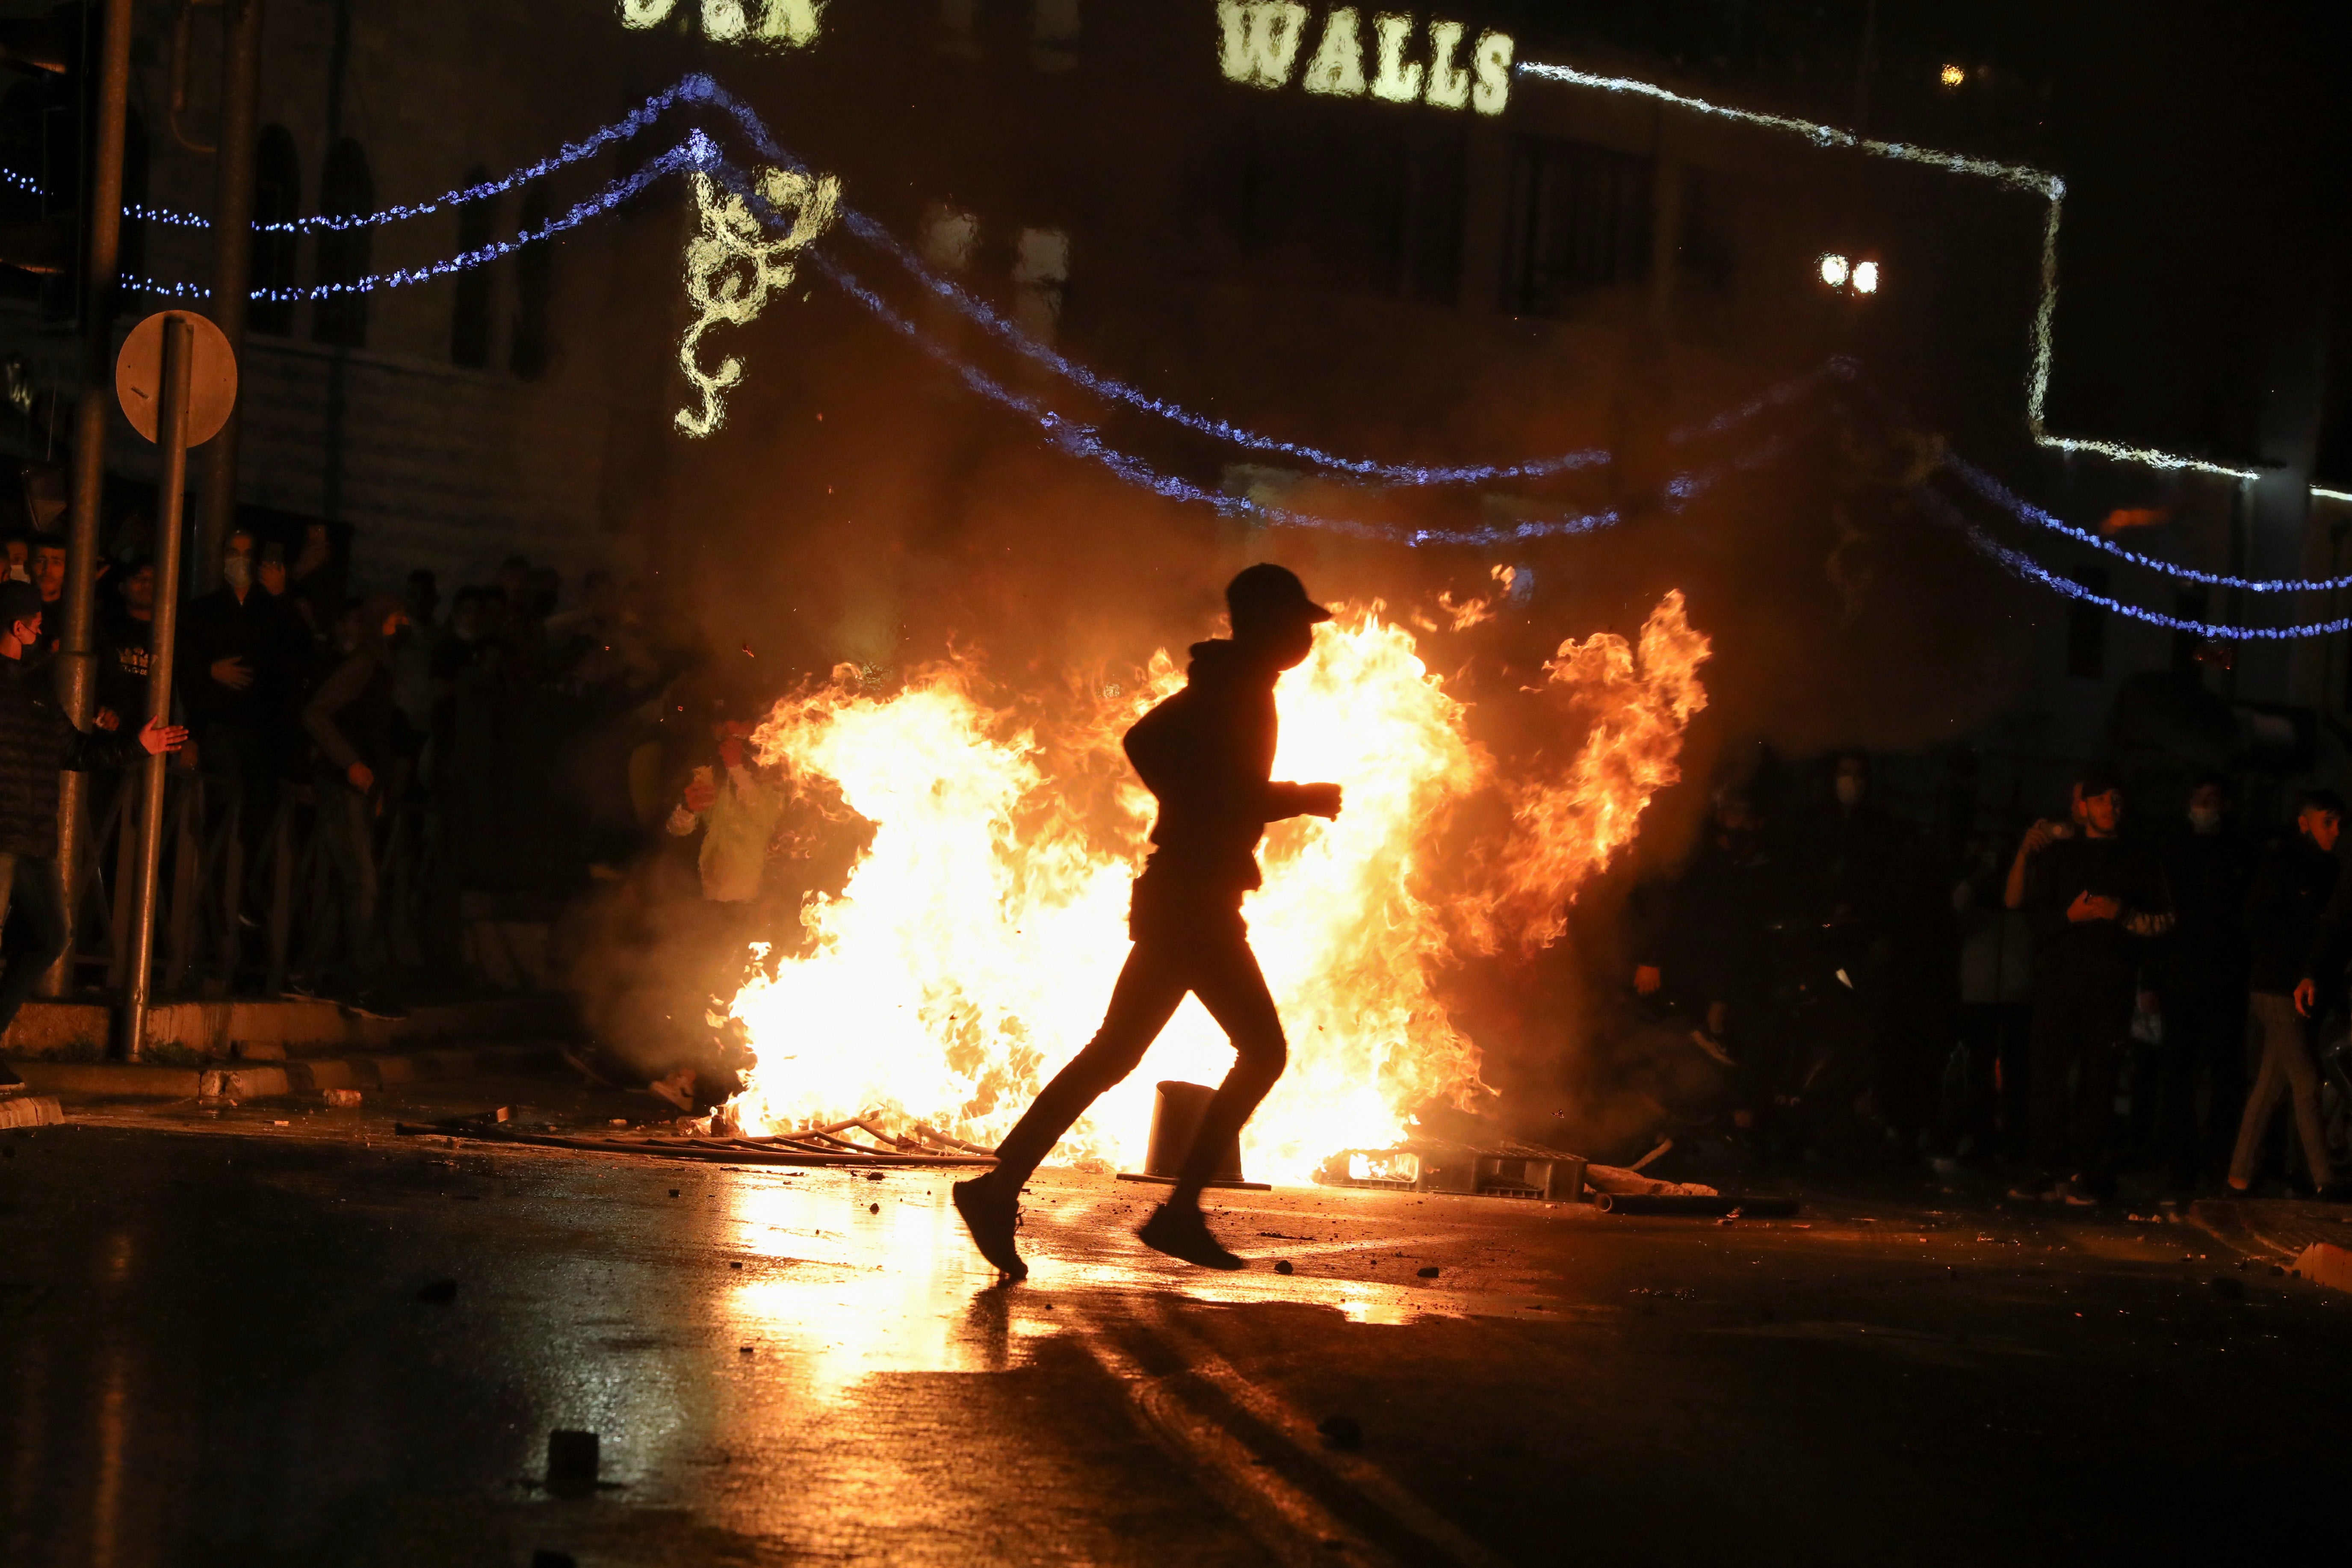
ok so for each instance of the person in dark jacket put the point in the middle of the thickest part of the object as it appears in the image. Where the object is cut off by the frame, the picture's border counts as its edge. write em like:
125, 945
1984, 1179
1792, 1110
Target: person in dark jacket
1713, 952
2095, 899
356, 725
1206, 754
126, 635
2199, 975
36, 742
239, 655
2295, 916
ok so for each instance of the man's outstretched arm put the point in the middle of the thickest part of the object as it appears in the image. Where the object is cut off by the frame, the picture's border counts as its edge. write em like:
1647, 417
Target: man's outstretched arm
1287, 800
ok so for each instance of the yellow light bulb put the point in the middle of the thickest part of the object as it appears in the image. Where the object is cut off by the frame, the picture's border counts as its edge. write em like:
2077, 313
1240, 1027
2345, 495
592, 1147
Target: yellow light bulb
1834, 270
1954, 76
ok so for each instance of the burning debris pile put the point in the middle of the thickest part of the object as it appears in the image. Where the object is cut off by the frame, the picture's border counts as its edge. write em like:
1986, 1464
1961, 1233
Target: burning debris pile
974, 944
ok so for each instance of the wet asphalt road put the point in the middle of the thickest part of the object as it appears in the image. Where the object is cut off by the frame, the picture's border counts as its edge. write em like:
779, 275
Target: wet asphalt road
214, 1350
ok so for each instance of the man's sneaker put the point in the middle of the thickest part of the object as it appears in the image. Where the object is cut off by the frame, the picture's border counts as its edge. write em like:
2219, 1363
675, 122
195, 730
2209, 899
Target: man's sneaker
2078, 1195
992, 1217
1183, 1233
2035, 1190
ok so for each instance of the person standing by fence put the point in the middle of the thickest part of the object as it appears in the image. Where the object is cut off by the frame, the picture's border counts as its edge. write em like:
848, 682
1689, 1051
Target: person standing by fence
37, 742
2296, 917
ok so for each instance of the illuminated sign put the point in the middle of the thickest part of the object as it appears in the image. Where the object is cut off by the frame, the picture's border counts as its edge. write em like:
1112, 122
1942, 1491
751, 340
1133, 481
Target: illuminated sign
787, 22
1263, 42
731, 267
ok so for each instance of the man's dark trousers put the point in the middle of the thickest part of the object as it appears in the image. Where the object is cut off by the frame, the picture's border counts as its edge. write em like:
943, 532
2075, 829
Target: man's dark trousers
32, 885
2204, 1036
1198, 947
2080, 1029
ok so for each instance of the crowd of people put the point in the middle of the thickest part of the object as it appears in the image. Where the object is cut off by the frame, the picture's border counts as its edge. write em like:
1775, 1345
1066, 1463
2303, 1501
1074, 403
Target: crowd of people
513, 745
2112, 997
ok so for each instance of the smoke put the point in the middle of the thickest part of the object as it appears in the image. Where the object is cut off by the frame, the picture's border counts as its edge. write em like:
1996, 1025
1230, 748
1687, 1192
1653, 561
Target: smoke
864, 508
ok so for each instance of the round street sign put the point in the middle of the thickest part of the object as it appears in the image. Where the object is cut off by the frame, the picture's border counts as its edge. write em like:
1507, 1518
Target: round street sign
212, 380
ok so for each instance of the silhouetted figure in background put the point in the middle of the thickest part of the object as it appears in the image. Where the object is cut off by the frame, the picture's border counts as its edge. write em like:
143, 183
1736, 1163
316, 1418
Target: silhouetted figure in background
240, 650
2095, 897
2296, 915
1714, 952
1207, 756
2200, 981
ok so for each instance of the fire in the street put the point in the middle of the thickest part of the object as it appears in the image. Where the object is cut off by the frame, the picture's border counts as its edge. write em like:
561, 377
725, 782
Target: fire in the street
973, 947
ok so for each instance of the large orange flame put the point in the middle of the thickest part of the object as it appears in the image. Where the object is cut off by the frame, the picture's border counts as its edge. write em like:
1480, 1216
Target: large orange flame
973, 949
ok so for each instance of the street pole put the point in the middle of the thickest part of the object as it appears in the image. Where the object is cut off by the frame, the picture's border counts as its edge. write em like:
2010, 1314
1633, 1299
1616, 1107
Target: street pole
233, 173
171, 434
76, 661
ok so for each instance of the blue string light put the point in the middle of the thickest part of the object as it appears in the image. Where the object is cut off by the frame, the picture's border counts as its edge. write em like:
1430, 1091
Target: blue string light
694, 87
1086, 442
699, 88
1993, 491
2023, 566
697, 152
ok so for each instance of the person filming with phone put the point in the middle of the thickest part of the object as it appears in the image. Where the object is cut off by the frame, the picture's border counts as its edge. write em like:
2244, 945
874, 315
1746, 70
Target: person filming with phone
2095, 899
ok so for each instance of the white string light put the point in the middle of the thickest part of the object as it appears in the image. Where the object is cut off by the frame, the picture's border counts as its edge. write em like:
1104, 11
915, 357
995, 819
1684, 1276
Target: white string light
2051, 187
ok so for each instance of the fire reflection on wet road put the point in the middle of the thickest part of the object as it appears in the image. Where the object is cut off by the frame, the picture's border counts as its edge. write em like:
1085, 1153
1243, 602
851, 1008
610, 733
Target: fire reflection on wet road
229, 1349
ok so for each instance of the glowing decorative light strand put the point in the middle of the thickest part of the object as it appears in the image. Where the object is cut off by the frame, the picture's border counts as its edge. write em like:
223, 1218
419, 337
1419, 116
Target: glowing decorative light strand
1084, 441
695, 153
2001, 495
731, 269
998, 326
696, 87
2023, 566
2051, 187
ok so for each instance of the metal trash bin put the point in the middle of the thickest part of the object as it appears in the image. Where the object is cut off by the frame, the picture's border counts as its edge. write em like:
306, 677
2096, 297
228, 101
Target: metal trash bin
1176, 1113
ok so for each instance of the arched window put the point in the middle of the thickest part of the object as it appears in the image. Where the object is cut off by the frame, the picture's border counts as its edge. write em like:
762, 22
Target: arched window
277, 198
345, 190
470, 317
535, 273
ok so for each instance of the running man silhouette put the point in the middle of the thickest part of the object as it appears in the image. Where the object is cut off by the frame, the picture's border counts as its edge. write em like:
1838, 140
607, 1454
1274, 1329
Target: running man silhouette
1206, 754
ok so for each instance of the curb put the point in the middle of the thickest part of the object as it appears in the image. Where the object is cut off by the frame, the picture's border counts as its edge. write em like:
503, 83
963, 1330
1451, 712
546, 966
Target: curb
2324, 1263
275, 1080
30, 1111
248, 1029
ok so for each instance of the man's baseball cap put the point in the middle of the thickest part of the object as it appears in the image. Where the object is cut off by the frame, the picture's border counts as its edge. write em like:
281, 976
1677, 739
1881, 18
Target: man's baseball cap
1268, 591
19, 602
2098, 779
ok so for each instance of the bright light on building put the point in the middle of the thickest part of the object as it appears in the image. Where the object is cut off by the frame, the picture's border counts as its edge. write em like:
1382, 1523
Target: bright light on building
1865, 277
1835, 270
1954, 76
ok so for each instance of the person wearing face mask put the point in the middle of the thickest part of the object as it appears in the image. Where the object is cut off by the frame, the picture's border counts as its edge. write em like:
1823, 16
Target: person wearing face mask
1206, 754
2095, 898
238, 651
2199, 973
2297, 916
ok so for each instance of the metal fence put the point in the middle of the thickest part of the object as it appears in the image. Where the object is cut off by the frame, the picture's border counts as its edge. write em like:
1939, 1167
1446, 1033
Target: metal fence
313, 894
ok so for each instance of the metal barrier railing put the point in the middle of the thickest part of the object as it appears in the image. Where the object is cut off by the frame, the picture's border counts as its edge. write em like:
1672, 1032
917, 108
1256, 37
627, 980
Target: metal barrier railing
318, 895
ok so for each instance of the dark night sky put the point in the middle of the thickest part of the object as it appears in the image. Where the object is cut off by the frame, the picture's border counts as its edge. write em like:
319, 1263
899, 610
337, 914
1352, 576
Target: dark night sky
2205, 149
